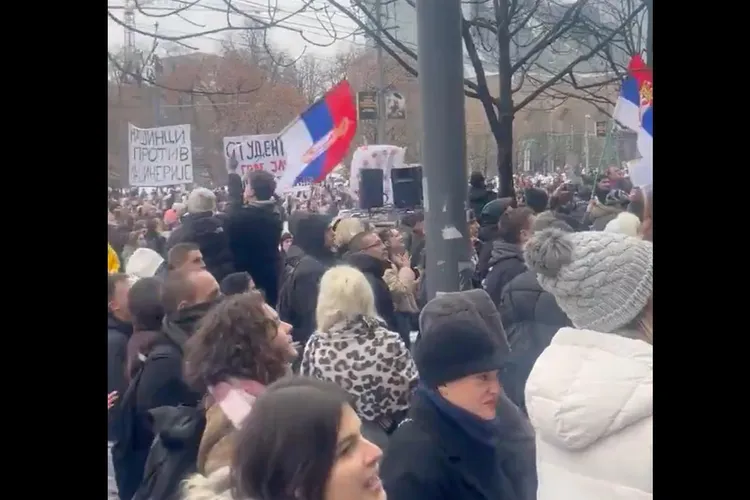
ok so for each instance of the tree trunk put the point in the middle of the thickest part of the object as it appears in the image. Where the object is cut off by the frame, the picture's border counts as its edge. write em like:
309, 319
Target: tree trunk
504, 134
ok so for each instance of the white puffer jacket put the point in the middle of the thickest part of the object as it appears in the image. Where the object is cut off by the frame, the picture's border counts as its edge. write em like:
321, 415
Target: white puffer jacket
590, 400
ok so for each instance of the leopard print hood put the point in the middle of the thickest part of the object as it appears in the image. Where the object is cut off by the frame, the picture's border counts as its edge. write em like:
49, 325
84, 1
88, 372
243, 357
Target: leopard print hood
368, 361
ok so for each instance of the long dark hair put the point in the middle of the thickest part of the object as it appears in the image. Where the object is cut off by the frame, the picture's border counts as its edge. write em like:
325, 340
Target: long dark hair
287, 446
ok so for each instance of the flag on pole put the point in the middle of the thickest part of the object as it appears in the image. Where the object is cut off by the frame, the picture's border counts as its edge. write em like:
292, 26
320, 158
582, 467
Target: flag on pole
627, 108
318, 139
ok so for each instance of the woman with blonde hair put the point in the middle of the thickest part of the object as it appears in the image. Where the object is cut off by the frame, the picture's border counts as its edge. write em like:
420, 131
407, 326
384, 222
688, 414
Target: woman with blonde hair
590, 393
353, 348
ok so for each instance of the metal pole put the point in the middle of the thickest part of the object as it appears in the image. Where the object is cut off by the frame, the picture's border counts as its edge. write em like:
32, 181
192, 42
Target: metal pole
441, 76
586, 140
381, 76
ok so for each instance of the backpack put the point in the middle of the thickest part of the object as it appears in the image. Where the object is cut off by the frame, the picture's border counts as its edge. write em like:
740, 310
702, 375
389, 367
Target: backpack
129, 453
284, 304
174, 453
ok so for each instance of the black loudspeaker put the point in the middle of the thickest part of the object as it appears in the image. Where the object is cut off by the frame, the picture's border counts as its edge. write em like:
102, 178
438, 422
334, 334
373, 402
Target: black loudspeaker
407, 187
370, 188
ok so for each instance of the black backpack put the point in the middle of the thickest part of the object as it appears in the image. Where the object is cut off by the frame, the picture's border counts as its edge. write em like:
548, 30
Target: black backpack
284, 304
174, 453
131, 448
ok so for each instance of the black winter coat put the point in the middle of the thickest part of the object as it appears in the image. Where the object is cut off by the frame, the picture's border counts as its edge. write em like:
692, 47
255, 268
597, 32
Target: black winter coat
254, 233
207, 231
450, 466
506, 262
531, 318
298, 308
373, 269
118, 334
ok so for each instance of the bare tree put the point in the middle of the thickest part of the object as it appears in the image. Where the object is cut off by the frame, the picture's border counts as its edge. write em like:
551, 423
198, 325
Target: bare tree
537, 48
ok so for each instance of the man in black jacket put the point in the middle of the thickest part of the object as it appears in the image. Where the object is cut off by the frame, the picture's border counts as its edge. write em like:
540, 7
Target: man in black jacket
368, 253
187, 297
299, 297
479, 195
119, 330
202, 227
254, 231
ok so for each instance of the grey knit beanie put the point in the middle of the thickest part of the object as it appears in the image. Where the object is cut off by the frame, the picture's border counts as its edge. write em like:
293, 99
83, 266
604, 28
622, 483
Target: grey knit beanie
602, 281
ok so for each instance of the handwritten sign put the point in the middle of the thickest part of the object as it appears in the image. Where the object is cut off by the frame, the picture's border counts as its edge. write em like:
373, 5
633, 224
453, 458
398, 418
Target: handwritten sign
255, 152
160, 156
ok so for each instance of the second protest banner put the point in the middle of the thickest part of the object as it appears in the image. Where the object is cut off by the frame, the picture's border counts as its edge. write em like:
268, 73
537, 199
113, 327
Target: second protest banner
255, 152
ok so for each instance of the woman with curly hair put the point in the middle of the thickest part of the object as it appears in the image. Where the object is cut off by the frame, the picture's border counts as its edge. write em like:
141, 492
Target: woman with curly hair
240, 347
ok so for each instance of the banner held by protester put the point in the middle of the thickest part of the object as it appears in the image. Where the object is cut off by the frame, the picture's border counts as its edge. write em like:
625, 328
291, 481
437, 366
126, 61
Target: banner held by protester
255, 152
159, 156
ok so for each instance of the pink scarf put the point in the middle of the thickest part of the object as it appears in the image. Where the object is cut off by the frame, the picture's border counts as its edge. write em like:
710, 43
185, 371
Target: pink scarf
235, 398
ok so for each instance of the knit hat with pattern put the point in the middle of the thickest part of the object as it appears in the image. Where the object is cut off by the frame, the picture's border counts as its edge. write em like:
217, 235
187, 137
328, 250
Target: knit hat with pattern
602, 281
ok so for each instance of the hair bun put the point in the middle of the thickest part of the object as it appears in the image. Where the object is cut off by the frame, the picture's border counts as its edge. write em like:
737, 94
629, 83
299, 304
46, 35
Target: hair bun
548, 251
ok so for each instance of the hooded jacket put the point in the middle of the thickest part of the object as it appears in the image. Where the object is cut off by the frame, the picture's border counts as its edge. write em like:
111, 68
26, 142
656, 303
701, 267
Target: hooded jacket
531, 318
590, 400
506, 262
299, 309
479, 197
254, 233
207, 231
374, 269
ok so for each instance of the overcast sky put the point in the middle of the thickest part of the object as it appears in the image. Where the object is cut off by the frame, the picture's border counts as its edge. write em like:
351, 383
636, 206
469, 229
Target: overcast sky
211, 14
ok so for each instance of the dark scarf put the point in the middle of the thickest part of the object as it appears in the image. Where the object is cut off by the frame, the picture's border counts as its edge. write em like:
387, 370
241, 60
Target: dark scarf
482, 431
185, 321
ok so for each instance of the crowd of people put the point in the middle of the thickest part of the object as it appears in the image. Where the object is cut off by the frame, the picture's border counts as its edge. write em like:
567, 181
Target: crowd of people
250, 362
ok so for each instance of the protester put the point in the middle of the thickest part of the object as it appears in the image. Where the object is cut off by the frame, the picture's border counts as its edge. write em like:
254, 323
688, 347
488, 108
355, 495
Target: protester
113, 261
489, 219
590, 393
308, 440
232, 382
185, 257
147, 313
451, 424
344, 230
531, 318
119, 330
479, 195
536, 199
202, 227
145, 263
402, 281
254, 231
314, 238
187, 297
368, 253
237, 283
506, 260
515, 436
349, 330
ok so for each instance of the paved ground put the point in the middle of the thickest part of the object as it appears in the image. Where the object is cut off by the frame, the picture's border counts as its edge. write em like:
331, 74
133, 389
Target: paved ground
111, 486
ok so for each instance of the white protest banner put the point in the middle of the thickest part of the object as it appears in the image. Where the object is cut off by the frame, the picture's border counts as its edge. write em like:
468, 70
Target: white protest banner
384, 157
255, 152
160, 156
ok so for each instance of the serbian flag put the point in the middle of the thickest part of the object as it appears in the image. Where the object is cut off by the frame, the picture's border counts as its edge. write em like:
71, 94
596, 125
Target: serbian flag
645, 78
631, 101
318, 139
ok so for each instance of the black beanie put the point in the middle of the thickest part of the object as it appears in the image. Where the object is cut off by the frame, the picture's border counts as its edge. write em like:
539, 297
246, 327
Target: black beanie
454, 349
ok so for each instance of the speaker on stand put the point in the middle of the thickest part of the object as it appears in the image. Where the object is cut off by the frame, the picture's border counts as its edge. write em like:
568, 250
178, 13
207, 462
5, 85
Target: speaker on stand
370, 188
407, 187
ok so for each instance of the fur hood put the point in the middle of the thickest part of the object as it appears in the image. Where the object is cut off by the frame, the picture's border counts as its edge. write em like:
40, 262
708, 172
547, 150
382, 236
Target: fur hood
214, 487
